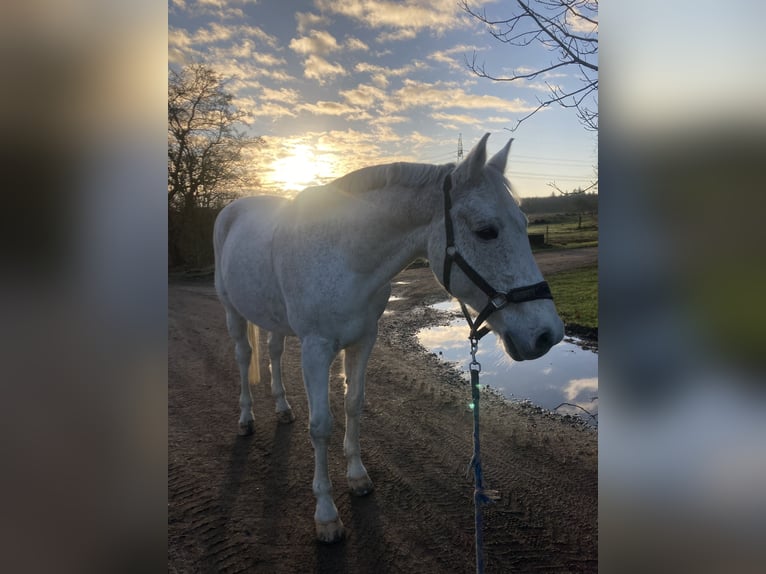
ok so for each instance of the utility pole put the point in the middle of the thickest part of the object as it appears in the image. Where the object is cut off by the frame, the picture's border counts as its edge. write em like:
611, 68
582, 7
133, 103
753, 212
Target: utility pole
459, 147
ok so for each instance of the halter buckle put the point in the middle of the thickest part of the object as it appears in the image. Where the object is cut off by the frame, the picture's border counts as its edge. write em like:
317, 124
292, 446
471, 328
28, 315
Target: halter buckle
499, 301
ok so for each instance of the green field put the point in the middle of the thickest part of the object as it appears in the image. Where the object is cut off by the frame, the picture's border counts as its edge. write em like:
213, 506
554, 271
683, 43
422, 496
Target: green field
576, 295
566, 230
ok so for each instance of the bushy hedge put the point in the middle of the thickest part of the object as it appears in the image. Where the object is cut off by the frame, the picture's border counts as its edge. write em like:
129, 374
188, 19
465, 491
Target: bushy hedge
190, 237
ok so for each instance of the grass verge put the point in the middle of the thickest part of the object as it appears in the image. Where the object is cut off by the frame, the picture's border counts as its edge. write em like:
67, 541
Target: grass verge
576, 295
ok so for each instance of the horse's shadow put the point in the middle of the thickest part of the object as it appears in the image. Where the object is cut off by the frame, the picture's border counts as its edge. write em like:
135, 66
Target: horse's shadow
363, 545
236, 469
274, 490
365, 519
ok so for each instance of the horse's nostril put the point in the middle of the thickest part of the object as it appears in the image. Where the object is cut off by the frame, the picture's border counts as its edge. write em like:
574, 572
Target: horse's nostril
544, 341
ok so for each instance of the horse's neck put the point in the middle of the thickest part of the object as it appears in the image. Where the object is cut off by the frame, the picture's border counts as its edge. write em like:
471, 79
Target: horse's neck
390, 230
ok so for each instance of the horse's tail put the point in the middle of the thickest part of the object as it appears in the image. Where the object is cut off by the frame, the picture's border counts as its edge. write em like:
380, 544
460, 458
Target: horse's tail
254, 370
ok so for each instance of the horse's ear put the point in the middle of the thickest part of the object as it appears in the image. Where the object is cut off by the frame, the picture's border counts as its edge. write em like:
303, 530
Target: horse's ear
500, 159
470, 168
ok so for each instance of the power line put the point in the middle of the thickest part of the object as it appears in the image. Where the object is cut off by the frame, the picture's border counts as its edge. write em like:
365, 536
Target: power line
549, 177
446, 156
543, 159
532, 160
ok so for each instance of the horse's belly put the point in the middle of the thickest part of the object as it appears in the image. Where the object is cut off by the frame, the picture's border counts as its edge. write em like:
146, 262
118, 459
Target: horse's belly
342, 317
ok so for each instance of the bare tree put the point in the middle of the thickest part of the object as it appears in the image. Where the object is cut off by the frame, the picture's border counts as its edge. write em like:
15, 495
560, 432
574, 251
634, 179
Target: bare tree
204, 143
568, 29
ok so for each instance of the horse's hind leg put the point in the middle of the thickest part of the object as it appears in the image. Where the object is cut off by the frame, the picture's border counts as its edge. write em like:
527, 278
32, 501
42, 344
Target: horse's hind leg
276, 348
237, 326
355, 366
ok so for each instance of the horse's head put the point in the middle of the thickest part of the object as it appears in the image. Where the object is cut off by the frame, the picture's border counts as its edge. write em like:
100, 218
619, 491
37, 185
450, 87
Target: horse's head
481, 254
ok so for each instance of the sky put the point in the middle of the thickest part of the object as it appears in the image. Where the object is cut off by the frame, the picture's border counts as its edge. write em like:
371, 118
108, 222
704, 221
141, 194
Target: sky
333, 86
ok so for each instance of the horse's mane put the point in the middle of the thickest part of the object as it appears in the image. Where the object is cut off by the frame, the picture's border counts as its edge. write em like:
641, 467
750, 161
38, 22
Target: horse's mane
403, 174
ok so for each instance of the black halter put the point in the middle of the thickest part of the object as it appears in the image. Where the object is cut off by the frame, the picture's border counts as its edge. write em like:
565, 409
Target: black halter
497, 300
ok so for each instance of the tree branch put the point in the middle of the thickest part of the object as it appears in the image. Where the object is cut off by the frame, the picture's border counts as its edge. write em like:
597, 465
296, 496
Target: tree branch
552, 30
554, 38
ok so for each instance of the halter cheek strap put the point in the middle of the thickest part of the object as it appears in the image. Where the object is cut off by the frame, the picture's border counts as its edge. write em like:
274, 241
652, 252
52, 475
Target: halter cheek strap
497, 299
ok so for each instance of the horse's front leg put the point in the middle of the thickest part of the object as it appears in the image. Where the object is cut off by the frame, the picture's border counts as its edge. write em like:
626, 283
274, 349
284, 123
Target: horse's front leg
317, 355
355, 366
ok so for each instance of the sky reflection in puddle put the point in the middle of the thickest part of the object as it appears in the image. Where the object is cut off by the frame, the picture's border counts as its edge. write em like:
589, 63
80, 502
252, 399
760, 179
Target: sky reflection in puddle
566, 374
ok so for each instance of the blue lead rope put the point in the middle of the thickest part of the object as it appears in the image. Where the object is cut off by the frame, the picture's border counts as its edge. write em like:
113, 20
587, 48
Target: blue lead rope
479, 495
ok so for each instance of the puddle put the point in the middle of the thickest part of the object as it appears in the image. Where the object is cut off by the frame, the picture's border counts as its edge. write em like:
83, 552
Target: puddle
396, 298
448, 306
566, 374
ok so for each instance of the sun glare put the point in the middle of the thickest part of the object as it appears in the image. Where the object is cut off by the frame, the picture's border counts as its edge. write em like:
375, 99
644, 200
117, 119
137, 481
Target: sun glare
301, 168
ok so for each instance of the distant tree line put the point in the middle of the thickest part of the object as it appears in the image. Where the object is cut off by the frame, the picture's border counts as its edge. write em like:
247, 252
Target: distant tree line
576, 202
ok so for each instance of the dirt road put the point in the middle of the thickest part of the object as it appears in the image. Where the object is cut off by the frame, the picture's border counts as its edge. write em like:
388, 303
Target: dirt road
245, 504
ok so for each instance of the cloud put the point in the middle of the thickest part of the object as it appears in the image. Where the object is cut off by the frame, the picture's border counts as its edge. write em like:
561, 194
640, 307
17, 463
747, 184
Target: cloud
283, 95
224, 3
267, 109
455, 118
180, 46
321, 70
245, 52
222, 9
389, 119
454, 121
397, 35
363, 95
356, 44
380, 74
498, 120
307, 21
273, 110
238, 62
267, 59
323, 108
419, 139
379, 79
217, 32
576, 387
406, 19
185, 46
441, 96
318, 42
454, 57
581, 25
540, 86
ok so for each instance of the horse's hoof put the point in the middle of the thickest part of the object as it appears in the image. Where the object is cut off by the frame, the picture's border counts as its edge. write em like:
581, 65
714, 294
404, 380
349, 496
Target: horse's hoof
245, 429
330, 532
285, 417
361, 486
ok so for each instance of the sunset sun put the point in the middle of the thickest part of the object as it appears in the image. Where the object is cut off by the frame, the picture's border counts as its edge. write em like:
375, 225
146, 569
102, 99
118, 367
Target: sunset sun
301, 168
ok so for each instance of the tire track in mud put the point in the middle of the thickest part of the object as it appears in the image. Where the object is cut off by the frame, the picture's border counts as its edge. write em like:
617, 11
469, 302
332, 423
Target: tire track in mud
245, 505
515, 536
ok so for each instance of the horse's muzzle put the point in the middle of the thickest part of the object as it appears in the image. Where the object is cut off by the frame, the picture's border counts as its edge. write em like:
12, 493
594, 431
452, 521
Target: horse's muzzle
541, 344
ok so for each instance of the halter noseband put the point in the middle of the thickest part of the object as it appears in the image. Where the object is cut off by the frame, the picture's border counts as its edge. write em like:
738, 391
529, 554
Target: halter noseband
497, 300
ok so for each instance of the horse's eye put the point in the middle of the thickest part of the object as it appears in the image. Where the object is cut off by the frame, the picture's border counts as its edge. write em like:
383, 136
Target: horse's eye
487, 233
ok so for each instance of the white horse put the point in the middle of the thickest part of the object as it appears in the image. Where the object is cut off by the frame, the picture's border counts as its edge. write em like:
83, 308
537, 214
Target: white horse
319, 267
